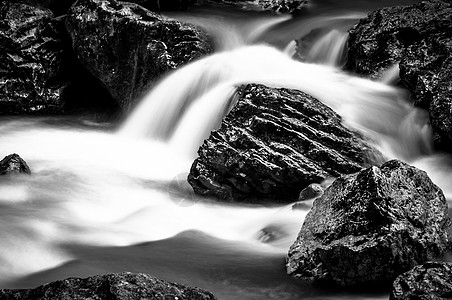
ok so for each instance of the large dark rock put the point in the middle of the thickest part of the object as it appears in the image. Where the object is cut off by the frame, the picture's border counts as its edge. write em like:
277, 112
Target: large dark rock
13, 164
120, 286
274, 143
128, 47
61, 7
31, 60
372, 226
420, 38
430, 281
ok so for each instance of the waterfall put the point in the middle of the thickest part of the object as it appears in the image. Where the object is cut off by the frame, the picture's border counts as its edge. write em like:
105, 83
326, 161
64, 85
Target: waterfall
329, 49
204, 89
94, 189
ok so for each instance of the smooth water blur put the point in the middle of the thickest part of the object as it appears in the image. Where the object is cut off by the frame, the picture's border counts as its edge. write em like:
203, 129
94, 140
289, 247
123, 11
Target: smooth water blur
109, 200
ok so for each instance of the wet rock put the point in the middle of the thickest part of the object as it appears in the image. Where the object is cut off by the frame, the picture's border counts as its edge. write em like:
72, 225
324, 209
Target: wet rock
419, 37
111, 286
280, 6
371, 226
31, 60
13, 164
128, 47
312, 191
432, 280
284, 6
272, 144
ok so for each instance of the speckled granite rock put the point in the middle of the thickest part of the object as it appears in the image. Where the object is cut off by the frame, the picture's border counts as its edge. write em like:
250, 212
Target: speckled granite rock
371, 226
430, 281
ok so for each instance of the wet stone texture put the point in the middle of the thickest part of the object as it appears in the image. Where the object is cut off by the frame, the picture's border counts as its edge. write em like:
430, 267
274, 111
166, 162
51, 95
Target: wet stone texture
13, 164
430, 281
128, 47
371, 226
120, 286
272, 144
31, 60
419, 37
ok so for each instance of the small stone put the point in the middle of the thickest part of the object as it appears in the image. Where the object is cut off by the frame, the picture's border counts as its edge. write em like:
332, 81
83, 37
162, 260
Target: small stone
13, 164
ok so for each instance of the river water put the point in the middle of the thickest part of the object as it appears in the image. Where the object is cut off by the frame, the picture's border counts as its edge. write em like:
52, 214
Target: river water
111, 197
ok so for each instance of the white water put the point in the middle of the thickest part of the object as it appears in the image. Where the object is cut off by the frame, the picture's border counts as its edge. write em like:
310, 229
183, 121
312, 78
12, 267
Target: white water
91, 186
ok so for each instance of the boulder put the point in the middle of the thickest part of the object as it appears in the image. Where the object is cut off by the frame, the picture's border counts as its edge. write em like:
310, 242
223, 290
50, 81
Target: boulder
128, 47
419, 38
432, 280
31, 60
13, 164
280, 6
124, 286
284, 6
272, 144
371, 226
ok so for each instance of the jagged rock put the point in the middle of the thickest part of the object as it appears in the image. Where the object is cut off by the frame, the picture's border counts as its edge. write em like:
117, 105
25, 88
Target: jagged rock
31, 60
420, 38
371, 226
128, 47
124, 286
272, 144
13, 164
280, 6
432, 280
284, 6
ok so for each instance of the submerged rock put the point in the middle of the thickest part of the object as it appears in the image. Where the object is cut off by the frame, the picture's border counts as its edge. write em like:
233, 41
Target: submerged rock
13, 164
432, 280
372, 226
31, 60
128, 47
274, 143
419, 38
124, 286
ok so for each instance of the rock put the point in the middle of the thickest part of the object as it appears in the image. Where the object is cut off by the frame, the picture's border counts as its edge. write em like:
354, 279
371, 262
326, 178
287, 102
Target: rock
312, 191
111, 286
371, 226
284, 6
273, 143
31, 60
432, 280
280, 6
13, 164
419, 37
128, 47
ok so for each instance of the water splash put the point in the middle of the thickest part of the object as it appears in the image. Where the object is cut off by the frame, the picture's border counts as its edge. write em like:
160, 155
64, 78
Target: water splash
329, 49
377, 110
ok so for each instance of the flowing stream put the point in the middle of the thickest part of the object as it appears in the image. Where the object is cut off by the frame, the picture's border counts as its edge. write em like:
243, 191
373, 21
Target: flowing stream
113, 197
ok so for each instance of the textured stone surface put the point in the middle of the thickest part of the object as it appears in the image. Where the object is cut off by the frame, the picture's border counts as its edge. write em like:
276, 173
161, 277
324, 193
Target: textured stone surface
120, 286
430, 281
13, 164
372, 226
128, 47
284, 6
274, 143
31, 57
420, 38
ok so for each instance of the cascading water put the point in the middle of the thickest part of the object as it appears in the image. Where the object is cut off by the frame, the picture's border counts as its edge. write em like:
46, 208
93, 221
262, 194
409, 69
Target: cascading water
95, 194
